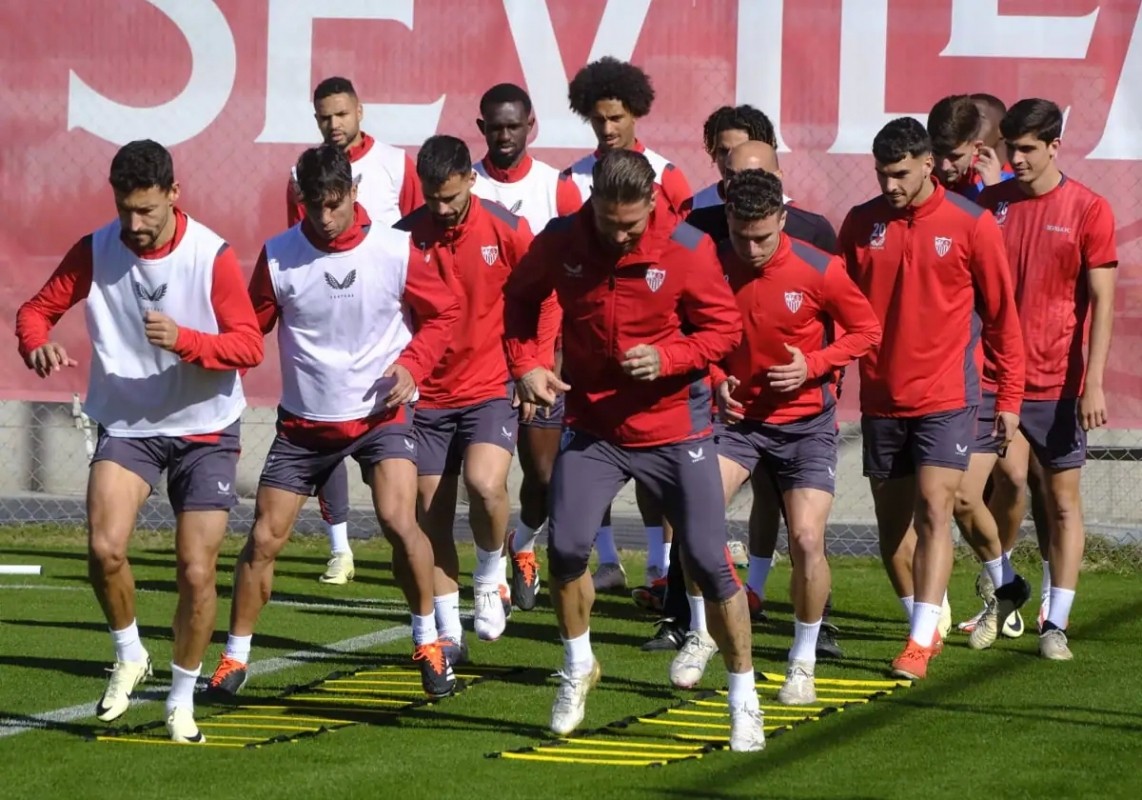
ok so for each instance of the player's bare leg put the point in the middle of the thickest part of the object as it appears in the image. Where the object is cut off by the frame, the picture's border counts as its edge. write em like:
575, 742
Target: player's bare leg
764, 529
436, 503
333, 498
537, 451
893, 500
610, 577
1036, 485
486, 469
114, 497
808, 511
1008, 501
1065, 523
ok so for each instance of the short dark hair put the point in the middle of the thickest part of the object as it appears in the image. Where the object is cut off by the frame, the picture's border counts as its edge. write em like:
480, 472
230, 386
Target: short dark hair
332, 86
901, 138
754, 194
323, 172
954, 120
611, 79
993, 103
440, 158
622, 177
1035, 116
745, 118
141, 164
503, 93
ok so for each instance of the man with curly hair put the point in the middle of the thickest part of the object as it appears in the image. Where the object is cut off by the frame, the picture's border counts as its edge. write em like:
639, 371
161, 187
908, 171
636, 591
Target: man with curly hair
724, 130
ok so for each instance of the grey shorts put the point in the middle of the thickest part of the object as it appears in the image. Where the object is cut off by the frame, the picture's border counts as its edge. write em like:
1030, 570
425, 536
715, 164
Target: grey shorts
444, 434
201, 472
895, 447
1054, 432
985, 442
548, 417
796, 455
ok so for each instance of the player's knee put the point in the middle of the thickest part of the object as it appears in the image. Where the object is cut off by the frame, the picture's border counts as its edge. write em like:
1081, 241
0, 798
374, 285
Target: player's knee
267, 538
966, 506
106, 554
1011, 477
487, 488
196, 576
398, 521
807, 542
568, 559
714, 577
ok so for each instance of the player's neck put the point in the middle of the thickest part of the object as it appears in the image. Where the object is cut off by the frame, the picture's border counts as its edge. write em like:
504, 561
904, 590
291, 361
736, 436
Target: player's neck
508, 173
1050, 178
922, 196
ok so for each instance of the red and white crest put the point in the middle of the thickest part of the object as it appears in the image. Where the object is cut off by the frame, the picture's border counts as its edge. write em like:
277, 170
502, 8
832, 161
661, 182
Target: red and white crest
490, 252
943, 245
793, 301
655, 278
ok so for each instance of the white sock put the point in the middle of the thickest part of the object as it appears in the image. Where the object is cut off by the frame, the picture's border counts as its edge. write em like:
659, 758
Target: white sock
1008, 569
1045, 588
907, 603
804, 641
238, 647
338, 537
925, 620
995, 571
504, 571
656, 550
486, 576
758, 574
697, 612
743, 690
182, 687
1061, 601
524, 539
128, 645
446, 621
424, 628
605, 545
577, 656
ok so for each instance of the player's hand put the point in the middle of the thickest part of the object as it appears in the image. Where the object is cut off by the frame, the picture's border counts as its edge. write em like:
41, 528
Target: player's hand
162, 331
987, 166
1005, 427
540, 386
403, 389
789, 377
728, 407
49, 358
526, 410
1092, 408
642, 362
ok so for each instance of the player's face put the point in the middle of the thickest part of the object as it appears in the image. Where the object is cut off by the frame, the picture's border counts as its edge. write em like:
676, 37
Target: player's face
145, 214
723, 144
621, 225
613, 125
506, 128
331, 215
755, 241
448, 202
953, 166
1030, 156
339, 119
902, 182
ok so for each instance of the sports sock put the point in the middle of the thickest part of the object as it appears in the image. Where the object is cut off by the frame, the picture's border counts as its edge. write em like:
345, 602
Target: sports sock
128, 645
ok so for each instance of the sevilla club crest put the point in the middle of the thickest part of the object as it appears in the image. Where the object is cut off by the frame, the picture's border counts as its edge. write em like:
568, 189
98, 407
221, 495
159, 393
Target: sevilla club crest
943, 245
490, 252
655, 278
793, 301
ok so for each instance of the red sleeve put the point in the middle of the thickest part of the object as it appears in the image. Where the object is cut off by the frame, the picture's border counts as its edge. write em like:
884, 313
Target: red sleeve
410, 196
995, 301
528, 291
717, 375
1097, 238
845, 247
709, 308
436, 310
295, 211
847, 305
262, 295
550, 313
677, 191
70, 283
238, 344
568, 198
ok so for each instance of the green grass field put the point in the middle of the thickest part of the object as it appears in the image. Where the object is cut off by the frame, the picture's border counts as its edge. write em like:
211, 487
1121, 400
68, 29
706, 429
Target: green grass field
998, 724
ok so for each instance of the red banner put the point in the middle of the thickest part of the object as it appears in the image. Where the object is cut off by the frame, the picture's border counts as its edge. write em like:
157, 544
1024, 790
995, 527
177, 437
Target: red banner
227, 86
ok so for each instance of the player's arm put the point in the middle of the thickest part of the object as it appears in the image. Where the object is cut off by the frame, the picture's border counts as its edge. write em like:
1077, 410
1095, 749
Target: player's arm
550, 313
1100, 255
850, 309
824, 237
677, 191
410, 198
238, 344
529, 287
295, 210
262, 295
568, 198
436, 309
846, 245
70, 283
995, 301
711, 313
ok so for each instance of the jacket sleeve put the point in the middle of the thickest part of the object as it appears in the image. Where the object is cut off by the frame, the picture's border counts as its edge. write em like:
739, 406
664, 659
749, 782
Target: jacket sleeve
437, 312
295, 211
844, 303
710, 312
550, 313
527, 294
568, 198
995, 301
410, 198
262, 295
238, 344
70, 283
676, 190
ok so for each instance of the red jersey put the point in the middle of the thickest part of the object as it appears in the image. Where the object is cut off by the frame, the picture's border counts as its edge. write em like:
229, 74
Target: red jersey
1052, 240
475, 258
926, 270
670, 282
793, 300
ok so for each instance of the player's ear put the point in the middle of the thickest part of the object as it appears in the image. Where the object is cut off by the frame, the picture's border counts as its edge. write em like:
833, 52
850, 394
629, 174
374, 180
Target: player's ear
781, 219
480, 125
531, 122
174, 192
471, 179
